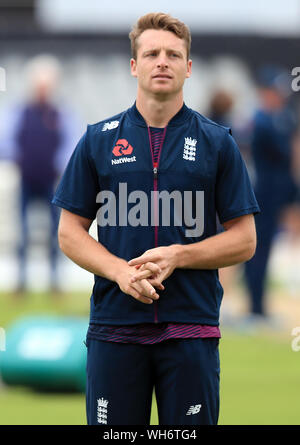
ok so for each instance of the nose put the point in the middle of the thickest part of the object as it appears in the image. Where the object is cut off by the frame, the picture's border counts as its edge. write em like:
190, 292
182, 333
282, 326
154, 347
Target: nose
162, 61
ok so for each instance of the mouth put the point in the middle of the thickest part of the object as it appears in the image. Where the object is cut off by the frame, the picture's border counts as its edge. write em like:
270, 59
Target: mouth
162, 76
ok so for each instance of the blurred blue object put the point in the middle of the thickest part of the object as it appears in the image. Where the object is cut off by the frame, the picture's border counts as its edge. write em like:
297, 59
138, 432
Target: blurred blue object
274, 77
45, 352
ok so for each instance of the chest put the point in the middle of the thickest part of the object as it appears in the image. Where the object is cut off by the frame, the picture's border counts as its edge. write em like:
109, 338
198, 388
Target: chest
184, 157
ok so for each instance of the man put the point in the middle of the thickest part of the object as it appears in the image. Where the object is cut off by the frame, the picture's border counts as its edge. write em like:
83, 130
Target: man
274, 131
156, 298
37, 134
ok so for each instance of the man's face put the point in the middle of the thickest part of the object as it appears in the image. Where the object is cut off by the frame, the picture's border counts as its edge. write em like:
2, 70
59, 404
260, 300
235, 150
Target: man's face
161, 66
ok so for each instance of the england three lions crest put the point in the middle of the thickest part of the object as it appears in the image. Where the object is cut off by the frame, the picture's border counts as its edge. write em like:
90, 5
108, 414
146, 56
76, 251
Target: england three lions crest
102, 411
189, 149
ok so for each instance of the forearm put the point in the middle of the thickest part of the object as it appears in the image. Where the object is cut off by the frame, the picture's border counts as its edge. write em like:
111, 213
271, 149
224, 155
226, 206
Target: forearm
222, 250
89, 254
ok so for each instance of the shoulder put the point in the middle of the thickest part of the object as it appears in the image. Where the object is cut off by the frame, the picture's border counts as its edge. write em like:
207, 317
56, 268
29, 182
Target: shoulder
102, 132
105, 126
220, 139
210, 127
217, 137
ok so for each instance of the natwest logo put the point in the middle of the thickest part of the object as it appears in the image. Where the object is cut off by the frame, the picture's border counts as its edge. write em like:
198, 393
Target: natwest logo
122, 147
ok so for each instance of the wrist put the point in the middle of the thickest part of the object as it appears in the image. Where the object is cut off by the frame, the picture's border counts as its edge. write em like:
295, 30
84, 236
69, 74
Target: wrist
116, 269
177, 250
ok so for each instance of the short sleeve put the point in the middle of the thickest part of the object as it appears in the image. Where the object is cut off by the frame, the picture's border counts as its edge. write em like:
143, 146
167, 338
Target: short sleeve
234, 193
79, 185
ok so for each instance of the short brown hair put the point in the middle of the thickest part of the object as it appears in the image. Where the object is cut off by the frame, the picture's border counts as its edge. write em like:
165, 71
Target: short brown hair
159, 20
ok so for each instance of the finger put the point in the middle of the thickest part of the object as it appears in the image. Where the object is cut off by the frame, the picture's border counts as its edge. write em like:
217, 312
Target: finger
135, 294
146, 289
152, 257
153, 281
151, 291
141, 275
157, 284
160, 286
146, 270
153, 267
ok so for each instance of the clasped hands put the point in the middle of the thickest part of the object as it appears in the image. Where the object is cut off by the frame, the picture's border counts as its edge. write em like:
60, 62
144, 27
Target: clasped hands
141, 277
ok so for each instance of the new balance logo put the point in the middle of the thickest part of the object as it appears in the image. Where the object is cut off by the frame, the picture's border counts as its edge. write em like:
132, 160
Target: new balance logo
110, 125
193, 409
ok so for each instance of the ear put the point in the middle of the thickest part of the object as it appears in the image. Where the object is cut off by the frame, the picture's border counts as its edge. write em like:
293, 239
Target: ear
189, 68
133, 69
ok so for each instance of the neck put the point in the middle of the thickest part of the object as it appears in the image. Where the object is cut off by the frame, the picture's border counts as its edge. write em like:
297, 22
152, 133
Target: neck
158, 112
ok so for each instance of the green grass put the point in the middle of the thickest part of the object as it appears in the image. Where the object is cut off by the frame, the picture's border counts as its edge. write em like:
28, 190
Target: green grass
260, 381
21, 406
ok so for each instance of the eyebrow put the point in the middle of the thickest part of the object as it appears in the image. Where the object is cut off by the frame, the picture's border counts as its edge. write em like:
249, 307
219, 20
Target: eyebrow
169, 50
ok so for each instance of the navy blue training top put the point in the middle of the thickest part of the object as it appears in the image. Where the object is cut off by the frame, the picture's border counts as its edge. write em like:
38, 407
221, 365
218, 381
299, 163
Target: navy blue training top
140, 205
150, 333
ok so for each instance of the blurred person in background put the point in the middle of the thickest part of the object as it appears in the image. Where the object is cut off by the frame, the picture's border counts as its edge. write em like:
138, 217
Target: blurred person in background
220, 110
38, 136
274, 130
220, 107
